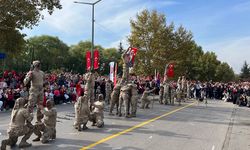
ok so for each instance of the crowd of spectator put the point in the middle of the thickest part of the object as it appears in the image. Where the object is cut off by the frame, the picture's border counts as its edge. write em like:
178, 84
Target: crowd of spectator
64, 88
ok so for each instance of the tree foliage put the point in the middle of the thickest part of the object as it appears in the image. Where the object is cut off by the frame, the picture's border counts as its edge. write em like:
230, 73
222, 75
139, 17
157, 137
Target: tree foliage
160, 43
245, 71
224, 73
18, 14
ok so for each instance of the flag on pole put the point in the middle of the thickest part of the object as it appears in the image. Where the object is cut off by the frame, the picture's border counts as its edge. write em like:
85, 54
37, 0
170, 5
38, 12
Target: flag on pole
132, 53
170, 70
115, 75
158, 80
88, 60
155, 74
165, 73
96, 59
111, 72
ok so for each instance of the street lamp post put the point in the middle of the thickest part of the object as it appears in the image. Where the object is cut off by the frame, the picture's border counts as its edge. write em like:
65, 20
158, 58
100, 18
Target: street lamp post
93, 30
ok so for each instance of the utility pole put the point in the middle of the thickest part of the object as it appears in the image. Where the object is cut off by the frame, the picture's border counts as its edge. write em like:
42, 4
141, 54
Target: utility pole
93, 30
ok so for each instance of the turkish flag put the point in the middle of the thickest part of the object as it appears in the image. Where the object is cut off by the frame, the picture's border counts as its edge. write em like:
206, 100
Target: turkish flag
96, 59
88, 60
170, 71
132, 54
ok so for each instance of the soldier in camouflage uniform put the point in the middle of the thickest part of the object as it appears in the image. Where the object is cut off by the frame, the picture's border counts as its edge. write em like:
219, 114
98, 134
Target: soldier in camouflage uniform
82, 112
125, 66
115, 99
124, 98
108, 90
19, 126
48, 127
188, 89
161, 92
166, 95
97, 114
36, 92
183, 88
134, 99
172, 93
144, 99
89, 88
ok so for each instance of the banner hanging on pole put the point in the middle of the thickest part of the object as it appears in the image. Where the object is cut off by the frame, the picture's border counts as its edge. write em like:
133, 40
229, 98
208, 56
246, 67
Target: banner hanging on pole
115, 75
88, 60
96, 59
111, 72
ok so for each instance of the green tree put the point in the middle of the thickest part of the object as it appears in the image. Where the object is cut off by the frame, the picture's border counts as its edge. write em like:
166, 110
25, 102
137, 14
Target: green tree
207, 66
224, 73
18, 14
245, 71
148, 34
109, 55
160, 44
77, 60
51, 51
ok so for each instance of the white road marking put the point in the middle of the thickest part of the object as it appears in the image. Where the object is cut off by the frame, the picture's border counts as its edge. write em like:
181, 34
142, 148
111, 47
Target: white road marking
213, 147
109, 130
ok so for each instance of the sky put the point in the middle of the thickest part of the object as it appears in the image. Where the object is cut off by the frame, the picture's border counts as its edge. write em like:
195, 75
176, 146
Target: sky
221, 26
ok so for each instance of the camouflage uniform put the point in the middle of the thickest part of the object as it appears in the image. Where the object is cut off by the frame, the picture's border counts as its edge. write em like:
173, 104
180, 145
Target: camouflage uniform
144, 99
97, 115
82, 113
36, 92
124, 98
48, 127
188, 90
134, 99
172, 94
108, 90
89, 88
178, 95
115, 99
19, 126
166, 95
125, 66
161, 94
183, 88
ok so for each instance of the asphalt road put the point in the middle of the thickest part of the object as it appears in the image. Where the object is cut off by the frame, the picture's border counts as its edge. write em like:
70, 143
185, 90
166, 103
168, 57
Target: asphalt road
191, 126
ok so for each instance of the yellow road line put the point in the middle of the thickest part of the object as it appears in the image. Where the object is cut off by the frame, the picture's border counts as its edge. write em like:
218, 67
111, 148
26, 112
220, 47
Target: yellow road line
132, 128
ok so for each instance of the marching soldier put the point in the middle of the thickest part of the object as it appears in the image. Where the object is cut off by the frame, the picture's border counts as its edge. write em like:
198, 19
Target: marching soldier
124, 98
108, 90
115, 99
161, 94
134, 99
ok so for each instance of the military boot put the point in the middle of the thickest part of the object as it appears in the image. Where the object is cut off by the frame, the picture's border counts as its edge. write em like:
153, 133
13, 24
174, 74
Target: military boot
3, 145
24, 144
36, 139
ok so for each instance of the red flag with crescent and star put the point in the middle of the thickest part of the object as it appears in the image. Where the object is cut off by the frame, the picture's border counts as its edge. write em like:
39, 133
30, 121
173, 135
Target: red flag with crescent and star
96, 59
88, 60
170, 70
132, 54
